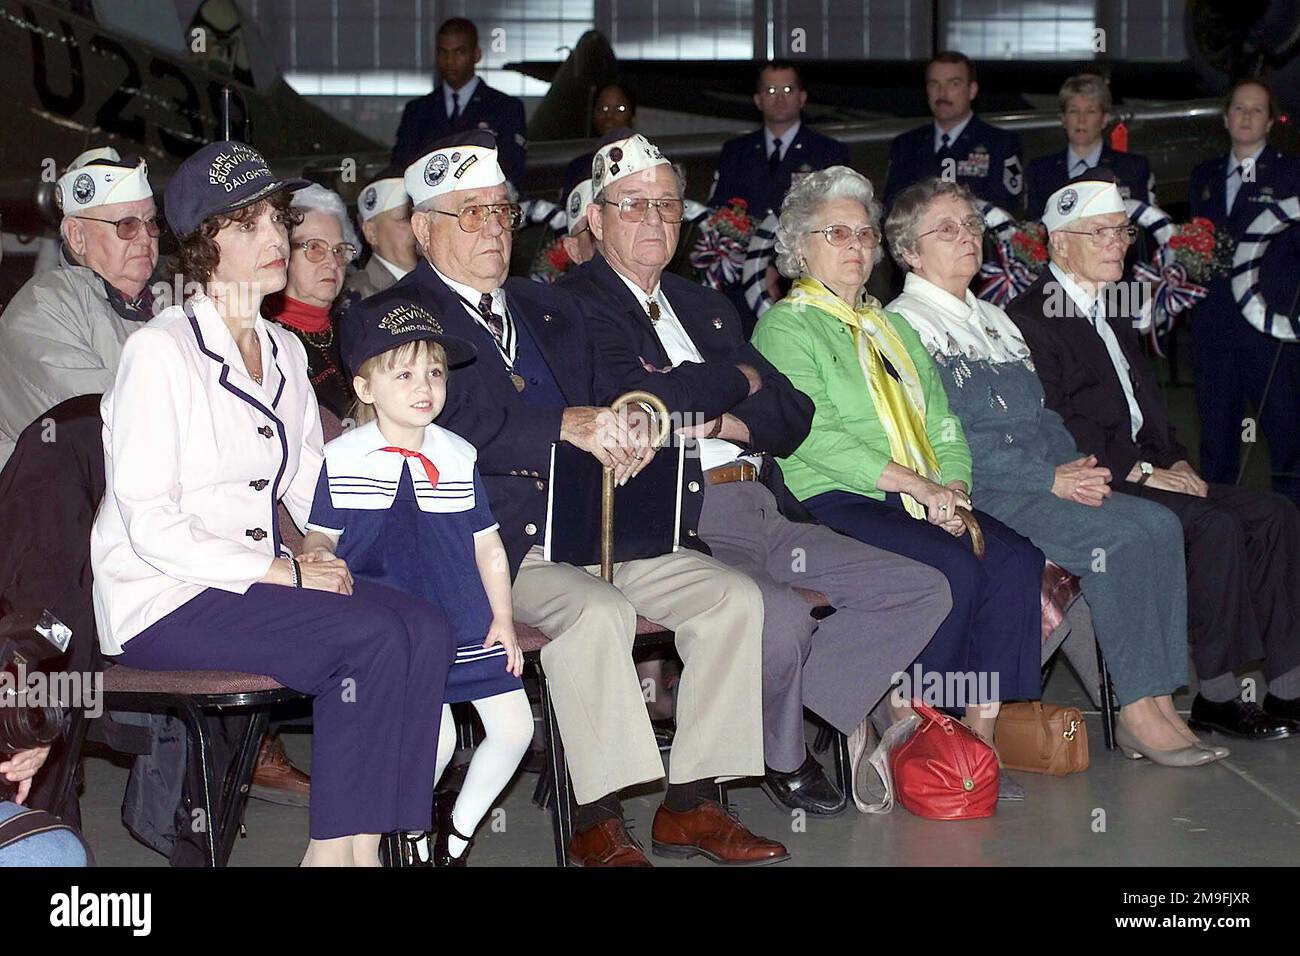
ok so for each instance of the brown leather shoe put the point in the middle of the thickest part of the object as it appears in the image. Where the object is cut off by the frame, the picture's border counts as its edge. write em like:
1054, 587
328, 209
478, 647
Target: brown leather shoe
712, 832
606, 844
275, 779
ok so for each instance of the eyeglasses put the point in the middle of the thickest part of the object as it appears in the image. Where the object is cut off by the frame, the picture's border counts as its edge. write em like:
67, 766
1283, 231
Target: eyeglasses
1104, 235
129, 227
949, 229
634, 208
839, 235
472, 218
620, 108
316, 249
783, 90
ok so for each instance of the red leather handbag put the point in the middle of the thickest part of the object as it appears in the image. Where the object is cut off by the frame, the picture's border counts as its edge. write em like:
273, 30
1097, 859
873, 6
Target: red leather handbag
944, 771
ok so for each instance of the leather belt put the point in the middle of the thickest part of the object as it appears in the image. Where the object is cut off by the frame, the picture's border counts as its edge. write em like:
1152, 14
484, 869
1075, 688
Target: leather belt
737, 471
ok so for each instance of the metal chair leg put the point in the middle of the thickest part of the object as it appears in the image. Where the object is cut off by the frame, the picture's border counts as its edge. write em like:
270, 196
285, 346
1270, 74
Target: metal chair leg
561, 795
234, 793
823, 739
199, 773
65, 791
843, 765
1107, 695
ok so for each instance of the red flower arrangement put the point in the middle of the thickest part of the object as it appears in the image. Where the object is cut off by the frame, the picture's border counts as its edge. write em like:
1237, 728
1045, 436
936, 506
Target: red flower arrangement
1201, 249
552, 262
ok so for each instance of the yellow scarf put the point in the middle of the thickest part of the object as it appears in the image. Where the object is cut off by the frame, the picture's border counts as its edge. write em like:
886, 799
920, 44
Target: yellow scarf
900, 405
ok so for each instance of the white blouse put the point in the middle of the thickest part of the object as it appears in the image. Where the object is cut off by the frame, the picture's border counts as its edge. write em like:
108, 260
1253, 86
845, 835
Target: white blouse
197, 455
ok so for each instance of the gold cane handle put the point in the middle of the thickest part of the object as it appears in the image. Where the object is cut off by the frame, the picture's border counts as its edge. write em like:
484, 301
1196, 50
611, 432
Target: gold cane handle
607, 484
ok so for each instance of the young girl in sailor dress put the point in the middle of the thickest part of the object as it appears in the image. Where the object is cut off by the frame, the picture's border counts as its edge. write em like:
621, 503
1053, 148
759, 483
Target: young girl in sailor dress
401, 501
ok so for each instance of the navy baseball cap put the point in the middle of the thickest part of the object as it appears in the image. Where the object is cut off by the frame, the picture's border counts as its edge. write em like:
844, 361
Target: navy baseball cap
365, 332
220, 178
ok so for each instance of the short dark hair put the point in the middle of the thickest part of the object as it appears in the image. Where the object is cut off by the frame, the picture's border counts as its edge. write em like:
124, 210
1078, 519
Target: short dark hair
1253, 81
952, 56
777, 65
198, 254
459, 25
625, 90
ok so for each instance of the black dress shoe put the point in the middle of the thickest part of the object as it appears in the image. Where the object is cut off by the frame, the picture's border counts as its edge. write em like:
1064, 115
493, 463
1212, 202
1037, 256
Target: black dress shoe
1281, 709
807, 789
1237, 718
441, 851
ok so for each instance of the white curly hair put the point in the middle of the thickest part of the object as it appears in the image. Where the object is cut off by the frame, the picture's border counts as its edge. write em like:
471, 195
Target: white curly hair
799, 212
316, 198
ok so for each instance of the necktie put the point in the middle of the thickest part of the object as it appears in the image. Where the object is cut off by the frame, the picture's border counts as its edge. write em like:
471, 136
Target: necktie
494, 321
1079, 166
1234, 184
455, 106
774, 160
944, 143
653, 308
429, 468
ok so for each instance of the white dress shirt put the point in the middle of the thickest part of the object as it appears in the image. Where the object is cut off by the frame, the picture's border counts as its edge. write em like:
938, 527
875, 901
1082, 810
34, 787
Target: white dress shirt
470, 298
1234, 179
393, 270
952, 134
1093, 310
679, 347
769, 140
196, 457
463, 94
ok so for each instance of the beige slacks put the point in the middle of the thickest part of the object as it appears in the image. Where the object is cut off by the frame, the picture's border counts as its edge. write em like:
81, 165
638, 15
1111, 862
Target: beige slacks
716, 614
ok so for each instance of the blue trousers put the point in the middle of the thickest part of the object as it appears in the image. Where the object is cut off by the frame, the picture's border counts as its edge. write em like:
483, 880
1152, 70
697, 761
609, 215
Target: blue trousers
995, 625
376, 664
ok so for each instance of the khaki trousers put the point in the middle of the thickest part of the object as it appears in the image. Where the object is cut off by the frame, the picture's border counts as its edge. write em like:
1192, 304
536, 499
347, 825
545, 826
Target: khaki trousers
716, 614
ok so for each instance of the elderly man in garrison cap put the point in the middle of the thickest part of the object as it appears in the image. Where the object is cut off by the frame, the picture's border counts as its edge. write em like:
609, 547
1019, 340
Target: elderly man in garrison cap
532, 386
62, 334
656, 331
1243, 547
385, 213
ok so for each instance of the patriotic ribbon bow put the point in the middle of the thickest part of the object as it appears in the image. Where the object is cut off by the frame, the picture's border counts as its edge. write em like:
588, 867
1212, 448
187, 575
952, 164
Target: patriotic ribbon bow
721, 258
1173, 293
429, 469
1004, 278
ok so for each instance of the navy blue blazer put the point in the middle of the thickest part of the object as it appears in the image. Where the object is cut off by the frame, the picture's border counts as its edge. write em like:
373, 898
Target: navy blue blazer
513, 438
778, 415
1047, 174
1276, 177
1080, 383
424, 121
987, 162
743, 172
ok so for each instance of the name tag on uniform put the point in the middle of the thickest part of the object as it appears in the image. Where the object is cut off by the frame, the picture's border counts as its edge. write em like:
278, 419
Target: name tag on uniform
976, 164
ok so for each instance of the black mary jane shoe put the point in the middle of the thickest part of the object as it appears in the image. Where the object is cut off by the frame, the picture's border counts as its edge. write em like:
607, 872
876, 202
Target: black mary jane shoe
441, 852
1237, 718
807, 789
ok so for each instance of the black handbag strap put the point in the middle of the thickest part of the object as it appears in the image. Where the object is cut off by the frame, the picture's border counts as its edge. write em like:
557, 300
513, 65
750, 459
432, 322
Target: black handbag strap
33, 822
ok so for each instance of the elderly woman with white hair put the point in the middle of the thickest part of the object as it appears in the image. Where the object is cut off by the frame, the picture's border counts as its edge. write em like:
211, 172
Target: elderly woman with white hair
886, 461
322, 244
1029, 473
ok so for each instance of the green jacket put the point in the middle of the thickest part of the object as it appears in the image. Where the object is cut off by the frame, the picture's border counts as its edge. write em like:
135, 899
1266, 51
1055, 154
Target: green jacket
847, 448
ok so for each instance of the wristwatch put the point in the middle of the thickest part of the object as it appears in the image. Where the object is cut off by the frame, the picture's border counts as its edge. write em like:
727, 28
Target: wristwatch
1147, 470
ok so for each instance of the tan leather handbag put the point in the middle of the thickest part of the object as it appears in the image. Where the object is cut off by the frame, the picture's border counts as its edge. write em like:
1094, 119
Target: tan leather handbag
1042, 739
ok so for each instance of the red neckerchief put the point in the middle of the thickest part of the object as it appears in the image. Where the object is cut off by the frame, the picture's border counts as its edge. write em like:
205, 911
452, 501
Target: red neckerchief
429, 469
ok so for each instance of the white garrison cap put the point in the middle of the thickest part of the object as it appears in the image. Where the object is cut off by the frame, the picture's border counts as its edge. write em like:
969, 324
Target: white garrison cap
98, 177
1080, 199
381, 196
622, 158
466, 161
576, 206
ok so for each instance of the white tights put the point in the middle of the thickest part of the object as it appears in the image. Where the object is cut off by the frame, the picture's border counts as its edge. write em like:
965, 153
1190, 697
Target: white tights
508, 727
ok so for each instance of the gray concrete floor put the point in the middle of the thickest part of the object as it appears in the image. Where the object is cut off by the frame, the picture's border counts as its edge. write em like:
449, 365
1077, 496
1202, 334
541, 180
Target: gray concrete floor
1243, 811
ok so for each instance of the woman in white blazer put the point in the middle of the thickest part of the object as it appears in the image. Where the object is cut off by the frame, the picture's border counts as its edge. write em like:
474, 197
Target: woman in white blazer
211, 422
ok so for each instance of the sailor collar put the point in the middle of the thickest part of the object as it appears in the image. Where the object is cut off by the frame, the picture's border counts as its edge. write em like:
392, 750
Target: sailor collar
363, 476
